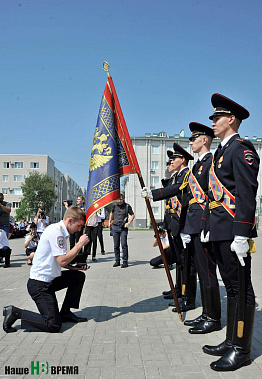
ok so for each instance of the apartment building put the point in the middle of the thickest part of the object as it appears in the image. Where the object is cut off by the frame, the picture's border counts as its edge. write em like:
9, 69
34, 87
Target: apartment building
151, 152
14, 169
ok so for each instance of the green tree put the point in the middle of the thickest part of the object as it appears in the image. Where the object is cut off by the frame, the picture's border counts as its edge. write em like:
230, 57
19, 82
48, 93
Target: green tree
37, 189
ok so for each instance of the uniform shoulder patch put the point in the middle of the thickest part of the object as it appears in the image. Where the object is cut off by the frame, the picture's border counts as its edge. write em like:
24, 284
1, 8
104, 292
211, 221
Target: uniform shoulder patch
61, 242
248, 156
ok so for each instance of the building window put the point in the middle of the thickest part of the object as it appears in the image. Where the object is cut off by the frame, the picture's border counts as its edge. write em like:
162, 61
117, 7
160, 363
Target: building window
34, 165
4, 191
19, 165
16, 191
154, 181
6, 164
155, 211
16, 204
18, 178
155, 149
5, 178
154, 165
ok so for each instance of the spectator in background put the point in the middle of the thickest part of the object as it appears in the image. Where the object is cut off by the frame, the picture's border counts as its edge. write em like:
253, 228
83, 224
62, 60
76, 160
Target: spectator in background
31, 243
5, 250
100, 219
170, 256
41, 220
11, 226
120, 212
5, 210
91, 231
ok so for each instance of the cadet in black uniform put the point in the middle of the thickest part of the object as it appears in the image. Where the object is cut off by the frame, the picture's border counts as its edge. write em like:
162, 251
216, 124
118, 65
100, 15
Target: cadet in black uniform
232, 204
197, 188
168, 226
180, 160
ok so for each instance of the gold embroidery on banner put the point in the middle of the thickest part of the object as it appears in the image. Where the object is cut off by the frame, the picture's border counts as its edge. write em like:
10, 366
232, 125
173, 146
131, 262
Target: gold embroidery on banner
100, 159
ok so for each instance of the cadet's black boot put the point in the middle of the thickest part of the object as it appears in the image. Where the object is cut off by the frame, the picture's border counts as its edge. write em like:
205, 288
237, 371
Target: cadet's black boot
202, 317
213, 312
189, 301
225, 346
239, 353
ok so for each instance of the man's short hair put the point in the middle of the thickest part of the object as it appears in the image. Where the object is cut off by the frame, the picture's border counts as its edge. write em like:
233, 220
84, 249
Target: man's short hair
75, 213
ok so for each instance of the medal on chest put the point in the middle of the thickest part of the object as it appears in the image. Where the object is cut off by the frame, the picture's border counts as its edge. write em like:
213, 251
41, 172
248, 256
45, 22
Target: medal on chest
220, 162
200, 170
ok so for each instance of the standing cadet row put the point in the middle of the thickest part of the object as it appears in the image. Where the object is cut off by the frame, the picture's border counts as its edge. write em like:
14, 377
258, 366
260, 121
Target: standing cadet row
222, 193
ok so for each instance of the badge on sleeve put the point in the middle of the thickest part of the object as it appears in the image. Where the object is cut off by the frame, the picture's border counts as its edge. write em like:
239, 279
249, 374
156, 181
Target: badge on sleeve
249, 157
61, 242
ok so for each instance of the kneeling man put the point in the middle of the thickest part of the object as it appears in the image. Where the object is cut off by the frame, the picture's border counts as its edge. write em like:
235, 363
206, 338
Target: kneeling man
46, 278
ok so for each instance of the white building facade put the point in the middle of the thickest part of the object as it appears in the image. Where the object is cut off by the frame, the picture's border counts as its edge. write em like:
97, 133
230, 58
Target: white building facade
14, 169
151, 152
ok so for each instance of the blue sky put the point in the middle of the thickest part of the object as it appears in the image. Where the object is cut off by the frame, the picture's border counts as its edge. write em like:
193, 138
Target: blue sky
166, 59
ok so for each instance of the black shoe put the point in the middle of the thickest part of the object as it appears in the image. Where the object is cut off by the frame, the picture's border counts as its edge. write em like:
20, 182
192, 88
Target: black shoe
170, 296
206, 326
166, 292
9, 319
185, 306
196, 321
94, 259
71, 317
116, 264
235, 358
218, 350
124, 265
102, 252
7, 265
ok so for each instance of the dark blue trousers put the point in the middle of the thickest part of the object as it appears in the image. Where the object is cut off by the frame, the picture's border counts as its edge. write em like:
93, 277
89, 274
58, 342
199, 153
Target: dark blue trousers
120, 235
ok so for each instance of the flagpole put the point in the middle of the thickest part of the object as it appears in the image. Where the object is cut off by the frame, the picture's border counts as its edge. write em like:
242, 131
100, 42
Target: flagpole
149, 208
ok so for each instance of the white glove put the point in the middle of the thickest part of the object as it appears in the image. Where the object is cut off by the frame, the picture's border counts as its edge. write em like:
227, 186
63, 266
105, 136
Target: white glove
204, 239
240, 246
186, 238
146, 192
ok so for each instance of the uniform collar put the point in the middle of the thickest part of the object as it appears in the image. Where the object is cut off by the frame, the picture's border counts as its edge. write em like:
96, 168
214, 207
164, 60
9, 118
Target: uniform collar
182, 169
203, 155
225, 141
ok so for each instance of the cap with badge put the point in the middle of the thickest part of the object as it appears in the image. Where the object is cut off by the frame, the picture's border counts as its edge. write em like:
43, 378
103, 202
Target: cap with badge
200, 130
226, 107
179, 152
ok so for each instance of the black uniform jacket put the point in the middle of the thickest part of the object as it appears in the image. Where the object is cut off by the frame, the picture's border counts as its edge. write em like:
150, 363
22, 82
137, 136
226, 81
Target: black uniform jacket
195, 211
168, 192
236, 166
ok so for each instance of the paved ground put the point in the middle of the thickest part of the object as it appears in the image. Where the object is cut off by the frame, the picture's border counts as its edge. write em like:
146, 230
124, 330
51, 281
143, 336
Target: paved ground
131, 332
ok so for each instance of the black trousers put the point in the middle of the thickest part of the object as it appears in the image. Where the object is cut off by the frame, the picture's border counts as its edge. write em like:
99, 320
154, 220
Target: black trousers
43, 294
205, 262
228, 266
170, 257
5, 252
74, 237
91, 231
100, 236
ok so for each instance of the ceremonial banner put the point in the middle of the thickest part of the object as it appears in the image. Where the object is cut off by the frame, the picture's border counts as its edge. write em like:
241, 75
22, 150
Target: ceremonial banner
112, 154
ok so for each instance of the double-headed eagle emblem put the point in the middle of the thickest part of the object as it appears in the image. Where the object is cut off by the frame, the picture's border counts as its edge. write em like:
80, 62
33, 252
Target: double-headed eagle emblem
103, 151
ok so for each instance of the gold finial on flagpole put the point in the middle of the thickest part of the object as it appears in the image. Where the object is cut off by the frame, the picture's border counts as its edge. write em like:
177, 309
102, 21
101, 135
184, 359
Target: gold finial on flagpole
106, 67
